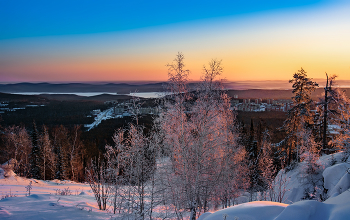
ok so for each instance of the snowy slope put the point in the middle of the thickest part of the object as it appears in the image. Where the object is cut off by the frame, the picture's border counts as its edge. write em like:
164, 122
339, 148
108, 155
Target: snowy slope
331, 175
252, 211
337, 207
47, 202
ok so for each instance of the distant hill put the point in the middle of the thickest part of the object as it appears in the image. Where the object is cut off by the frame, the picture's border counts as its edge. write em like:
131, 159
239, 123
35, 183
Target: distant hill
60, 97
71, 97
124, 88
119, 88
22, 98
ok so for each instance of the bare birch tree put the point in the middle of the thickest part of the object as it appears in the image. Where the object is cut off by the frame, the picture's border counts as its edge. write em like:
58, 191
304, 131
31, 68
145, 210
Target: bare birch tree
99, 180
200, 137
18, 145
48, 156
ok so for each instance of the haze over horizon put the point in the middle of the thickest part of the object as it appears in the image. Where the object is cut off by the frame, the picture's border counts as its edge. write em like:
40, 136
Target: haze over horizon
81, 41
231, 85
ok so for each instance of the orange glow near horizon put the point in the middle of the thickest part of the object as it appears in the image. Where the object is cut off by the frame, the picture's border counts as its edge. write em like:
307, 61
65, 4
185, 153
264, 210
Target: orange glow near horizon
262, 47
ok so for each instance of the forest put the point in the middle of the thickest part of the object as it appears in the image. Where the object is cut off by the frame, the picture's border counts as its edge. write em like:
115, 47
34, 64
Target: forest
198, 154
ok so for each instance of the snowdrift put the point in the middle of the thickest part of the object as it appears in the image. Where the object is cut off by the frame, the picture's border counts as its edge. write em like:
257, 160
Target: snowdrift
336, 207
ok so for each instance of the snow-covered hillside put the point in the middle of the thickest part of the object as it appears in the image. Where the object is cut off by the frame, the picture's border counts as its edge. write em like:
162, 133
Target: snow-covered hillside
69, 200
336, 207
48, 200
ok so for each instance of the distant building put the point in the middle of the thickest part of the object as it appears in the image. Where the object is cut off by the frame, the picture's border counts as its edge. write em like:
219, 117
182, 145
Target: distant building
258, 101
96, 112
234, 102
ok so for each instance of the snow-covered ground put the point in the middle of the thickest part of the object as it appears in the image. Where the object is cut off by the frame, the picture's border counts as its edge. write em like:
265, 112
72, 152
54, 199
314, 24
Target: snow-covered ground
106, 114
336, 207
48, 199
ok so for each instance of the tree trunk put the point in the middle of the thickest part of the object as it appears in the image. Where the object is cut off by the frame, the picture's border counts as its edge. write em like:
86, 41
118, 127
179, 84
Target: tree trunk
193, 213
325, 115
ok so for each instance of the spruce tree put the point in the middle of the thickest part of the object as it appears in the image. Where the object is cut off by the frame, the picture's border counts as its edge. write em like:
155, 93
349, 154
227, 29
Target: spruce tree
35, 156
299, 116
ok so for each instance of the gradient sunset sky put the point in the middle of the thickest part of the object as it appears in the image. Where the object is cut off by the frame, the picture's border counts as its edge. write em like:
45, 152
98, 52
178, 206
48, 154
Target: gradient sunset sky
72, 41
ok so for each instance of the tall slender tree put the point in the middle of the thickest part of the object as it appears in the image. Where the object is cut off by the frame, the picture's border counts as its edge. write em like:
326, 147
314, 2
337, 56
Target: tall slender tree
300, 115
342, 140
331, 110
48, 155
36, 163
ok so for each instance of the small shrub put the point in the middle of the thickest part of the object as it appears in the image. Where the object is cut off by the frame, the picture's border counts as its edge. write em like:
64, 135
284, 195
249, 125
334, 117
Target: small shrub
29, 187
7, 195
64, 192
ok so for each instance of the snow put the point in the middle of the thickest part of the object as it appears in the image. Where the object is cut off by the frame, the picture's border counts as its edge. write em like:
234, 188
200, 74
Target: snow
48, 202
331, 175
336, 178
107, 114
253, 211
337, 207
341, 206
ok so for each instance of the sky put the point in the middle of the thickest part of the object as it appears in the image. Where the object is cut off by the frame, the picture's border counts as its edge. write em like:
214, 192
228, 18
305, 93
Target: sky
89, 41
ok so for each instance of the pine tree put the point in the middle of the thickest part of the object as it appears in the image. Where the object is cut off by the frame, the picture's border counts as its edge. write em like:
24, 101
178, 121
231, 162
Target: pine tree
300, 115
36, 163
60, 143
332, 108
342, 140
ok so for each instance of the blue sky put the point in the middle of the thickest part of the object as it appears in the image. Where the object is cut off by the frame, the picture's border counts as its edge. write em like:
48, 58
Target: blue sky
51, 41
23, 18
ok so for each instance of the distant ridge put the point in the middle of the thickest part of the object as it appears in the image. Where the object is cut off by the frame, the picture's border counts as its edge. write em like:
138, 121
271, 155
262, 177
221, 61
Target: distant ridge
118, 88
125, 88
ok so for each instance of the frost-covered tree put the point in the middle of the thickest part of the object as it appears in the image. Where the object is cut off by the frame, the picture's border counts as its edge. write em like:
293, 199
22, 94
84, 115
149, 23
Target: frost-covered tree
234, 180
75, 152
18, 146
300, 115
342, 140
267, 167
199, 135
68, 148
310, 174
279, 187
131, 163
254, 150
99, 178
48, 155
329, 110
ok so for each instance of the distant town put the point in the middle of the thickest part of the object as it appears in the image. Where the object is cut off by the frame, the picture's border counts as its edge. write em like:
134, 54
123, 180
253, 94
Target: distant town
260, 105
